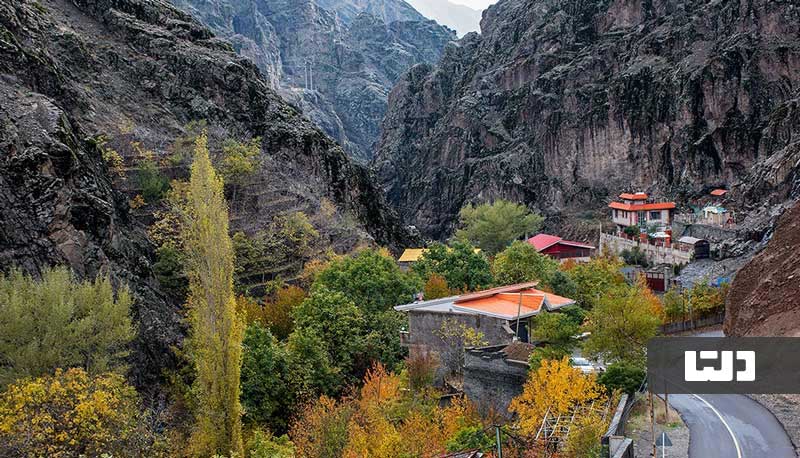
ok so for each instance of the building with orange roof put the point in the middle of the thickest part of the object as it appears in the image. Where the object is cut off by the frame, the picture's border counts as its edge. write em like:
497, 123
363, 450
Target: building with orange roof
503, 315
638, 210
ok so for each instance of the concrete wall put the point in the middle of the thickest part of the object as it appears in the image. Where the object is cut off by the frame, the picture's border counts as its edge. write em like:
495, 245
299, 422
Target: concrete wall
491, 381
655, 254
714, 234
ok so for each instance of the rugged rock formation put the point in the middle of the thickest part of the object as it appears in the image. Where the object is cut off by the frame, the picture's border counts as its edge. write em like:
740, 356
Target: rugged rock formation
71, 70
560, 104
764, 299
335, 59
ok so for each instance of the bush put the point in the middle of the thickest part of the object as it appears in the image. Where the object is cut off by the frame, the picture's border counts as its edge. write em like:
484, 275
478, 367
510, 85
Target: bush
471, 438
169, 270
72, 414
622, 376
635, 257
421, 370
632, 231
58, 322
265, 445
153, 183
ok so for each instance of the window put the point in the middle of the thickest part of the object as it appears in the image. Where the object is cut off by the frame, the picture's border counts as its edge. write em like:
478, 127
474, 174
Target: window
655, 215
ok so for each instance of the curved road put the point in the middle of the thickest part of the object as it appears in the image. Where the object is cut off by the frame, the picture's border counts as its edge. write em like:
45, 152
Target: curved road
731, 426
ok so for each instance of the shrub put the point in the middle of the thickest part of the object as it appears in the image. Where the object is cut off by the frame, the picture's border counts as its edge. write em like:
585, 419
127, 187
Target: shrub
622, 376
635, 256
265, 445
153, 183
58, 322
421, 370
471, 438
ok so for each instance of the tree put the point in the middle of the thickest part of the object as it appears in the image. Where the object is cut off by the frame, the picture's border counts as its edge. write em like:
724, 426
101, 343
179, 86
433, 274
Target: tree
153, 183
311, 371
622, 376
555, 387
556, 329
521, 263
239, 161
215, 338
462, 268
71, 414
620, 325
265, 445
456, 337
583, 439
337, 321
493, 226
371, 279
635, 256
594, 279
435, 287
265, 395
320, 430
58, 322
674, 305
278, 310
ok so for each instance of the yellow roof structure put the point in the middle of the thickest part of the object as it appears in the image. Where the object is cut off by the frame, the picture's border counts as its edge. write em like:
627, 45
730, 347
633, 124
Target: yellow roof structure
413, 254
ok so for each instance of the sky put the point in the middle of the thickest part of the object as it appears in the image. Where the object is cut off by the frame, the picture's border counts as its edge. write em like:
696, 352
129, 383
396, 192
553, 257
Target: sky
475, 4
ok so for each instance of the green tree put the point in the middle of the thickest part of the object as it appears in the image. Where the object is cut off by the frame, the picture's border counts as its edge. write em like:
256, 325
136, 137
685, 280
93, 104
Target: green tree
622, 376
215, 339
521, 263
674, 305
594, 279
266, 396
337, 321
471, 438
311, 371
58, 322
153, 183
459, 264
620, 324
265, 445
557, 329
371, 279
493, 226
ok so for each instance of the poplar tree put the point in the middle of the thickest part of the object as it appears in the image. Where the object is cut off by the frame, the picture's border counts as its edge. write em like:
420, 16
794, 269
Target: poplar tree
215, 340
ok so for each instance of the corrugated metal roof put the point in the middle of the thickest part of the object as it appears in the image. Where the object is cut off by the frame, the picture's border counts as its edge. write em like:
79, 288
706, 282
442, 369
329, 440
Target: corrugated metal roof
634, 196
411, 255
642, 207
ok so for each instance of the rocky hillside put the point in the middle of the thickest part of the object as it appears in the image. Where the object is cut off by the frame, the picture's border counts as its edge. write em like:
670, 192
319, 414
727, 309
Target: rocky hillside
561, 104
74, 70
335, 59
764, 296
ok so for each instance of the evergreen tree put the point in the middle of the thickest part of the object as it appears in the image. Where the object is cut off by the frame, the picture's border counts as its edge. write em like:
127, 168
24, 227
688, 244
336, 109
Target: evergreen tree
216, 328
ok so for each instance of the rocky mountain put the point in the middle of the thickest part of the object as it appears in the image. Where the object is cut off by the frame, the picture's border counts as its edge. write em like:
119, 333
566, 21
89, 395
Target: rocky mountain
764, 297
335, 59
461, 18
73, 72
561, 104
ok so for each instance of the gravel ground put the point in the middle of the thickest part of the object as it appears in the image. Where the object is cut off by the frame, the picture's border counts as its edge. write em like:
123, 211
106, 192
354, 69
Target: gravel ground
638, 429
786, 408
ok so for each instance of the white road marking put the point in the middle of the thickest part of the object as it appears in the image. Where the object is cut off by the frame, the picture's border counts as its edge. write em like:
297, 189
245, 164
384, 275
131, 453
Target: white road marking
730, 431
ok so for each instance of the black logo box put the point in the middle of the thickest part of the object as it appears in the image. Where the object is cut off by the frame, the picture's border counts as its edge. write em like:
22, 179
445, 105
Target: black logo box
777, 365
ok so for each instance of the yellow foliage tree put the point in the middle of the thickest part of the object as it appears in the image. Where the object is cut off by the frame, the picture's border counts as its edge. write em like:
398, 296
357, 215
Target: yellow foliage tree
216, 327
555, 387
436, 287
72, 414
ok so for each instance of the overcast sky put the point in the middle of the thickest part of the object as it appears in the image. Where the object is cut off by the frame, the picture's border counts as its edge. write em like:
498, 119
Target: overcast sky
476, 4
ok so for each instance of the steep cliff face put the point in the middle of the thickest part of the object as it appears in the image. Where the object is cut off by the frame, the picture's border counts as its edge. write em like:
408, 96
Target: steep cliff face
764, 296
73, 70
560, 104
335, 59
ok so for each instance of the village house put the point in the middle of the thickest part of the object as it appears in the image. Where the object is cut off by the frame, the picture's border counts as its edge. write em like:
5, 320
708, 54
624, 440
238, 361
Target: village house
494, 313
560, 249
637, 210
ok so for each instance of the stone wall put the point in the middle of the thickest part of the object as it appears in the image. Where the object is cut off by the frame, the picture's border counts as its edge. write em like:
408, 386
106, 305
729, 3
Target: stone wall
491, 380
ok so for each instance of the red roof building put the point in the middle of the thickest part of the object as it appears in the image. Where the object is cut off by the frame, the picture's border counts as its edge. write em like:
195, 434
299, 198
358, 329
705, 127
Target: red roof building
719, 192
561, 249
637, 210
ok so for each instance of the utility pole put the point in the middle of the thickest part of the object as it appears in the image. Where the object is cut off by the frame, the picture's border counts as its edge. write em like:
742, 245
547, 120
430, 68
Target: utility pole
666, 404
652, 422
499, 444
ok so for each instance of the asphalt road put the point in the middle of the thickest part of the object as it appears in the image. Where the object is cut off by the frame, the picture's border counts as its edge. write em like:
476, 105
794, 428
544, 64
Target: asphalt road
731, 425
